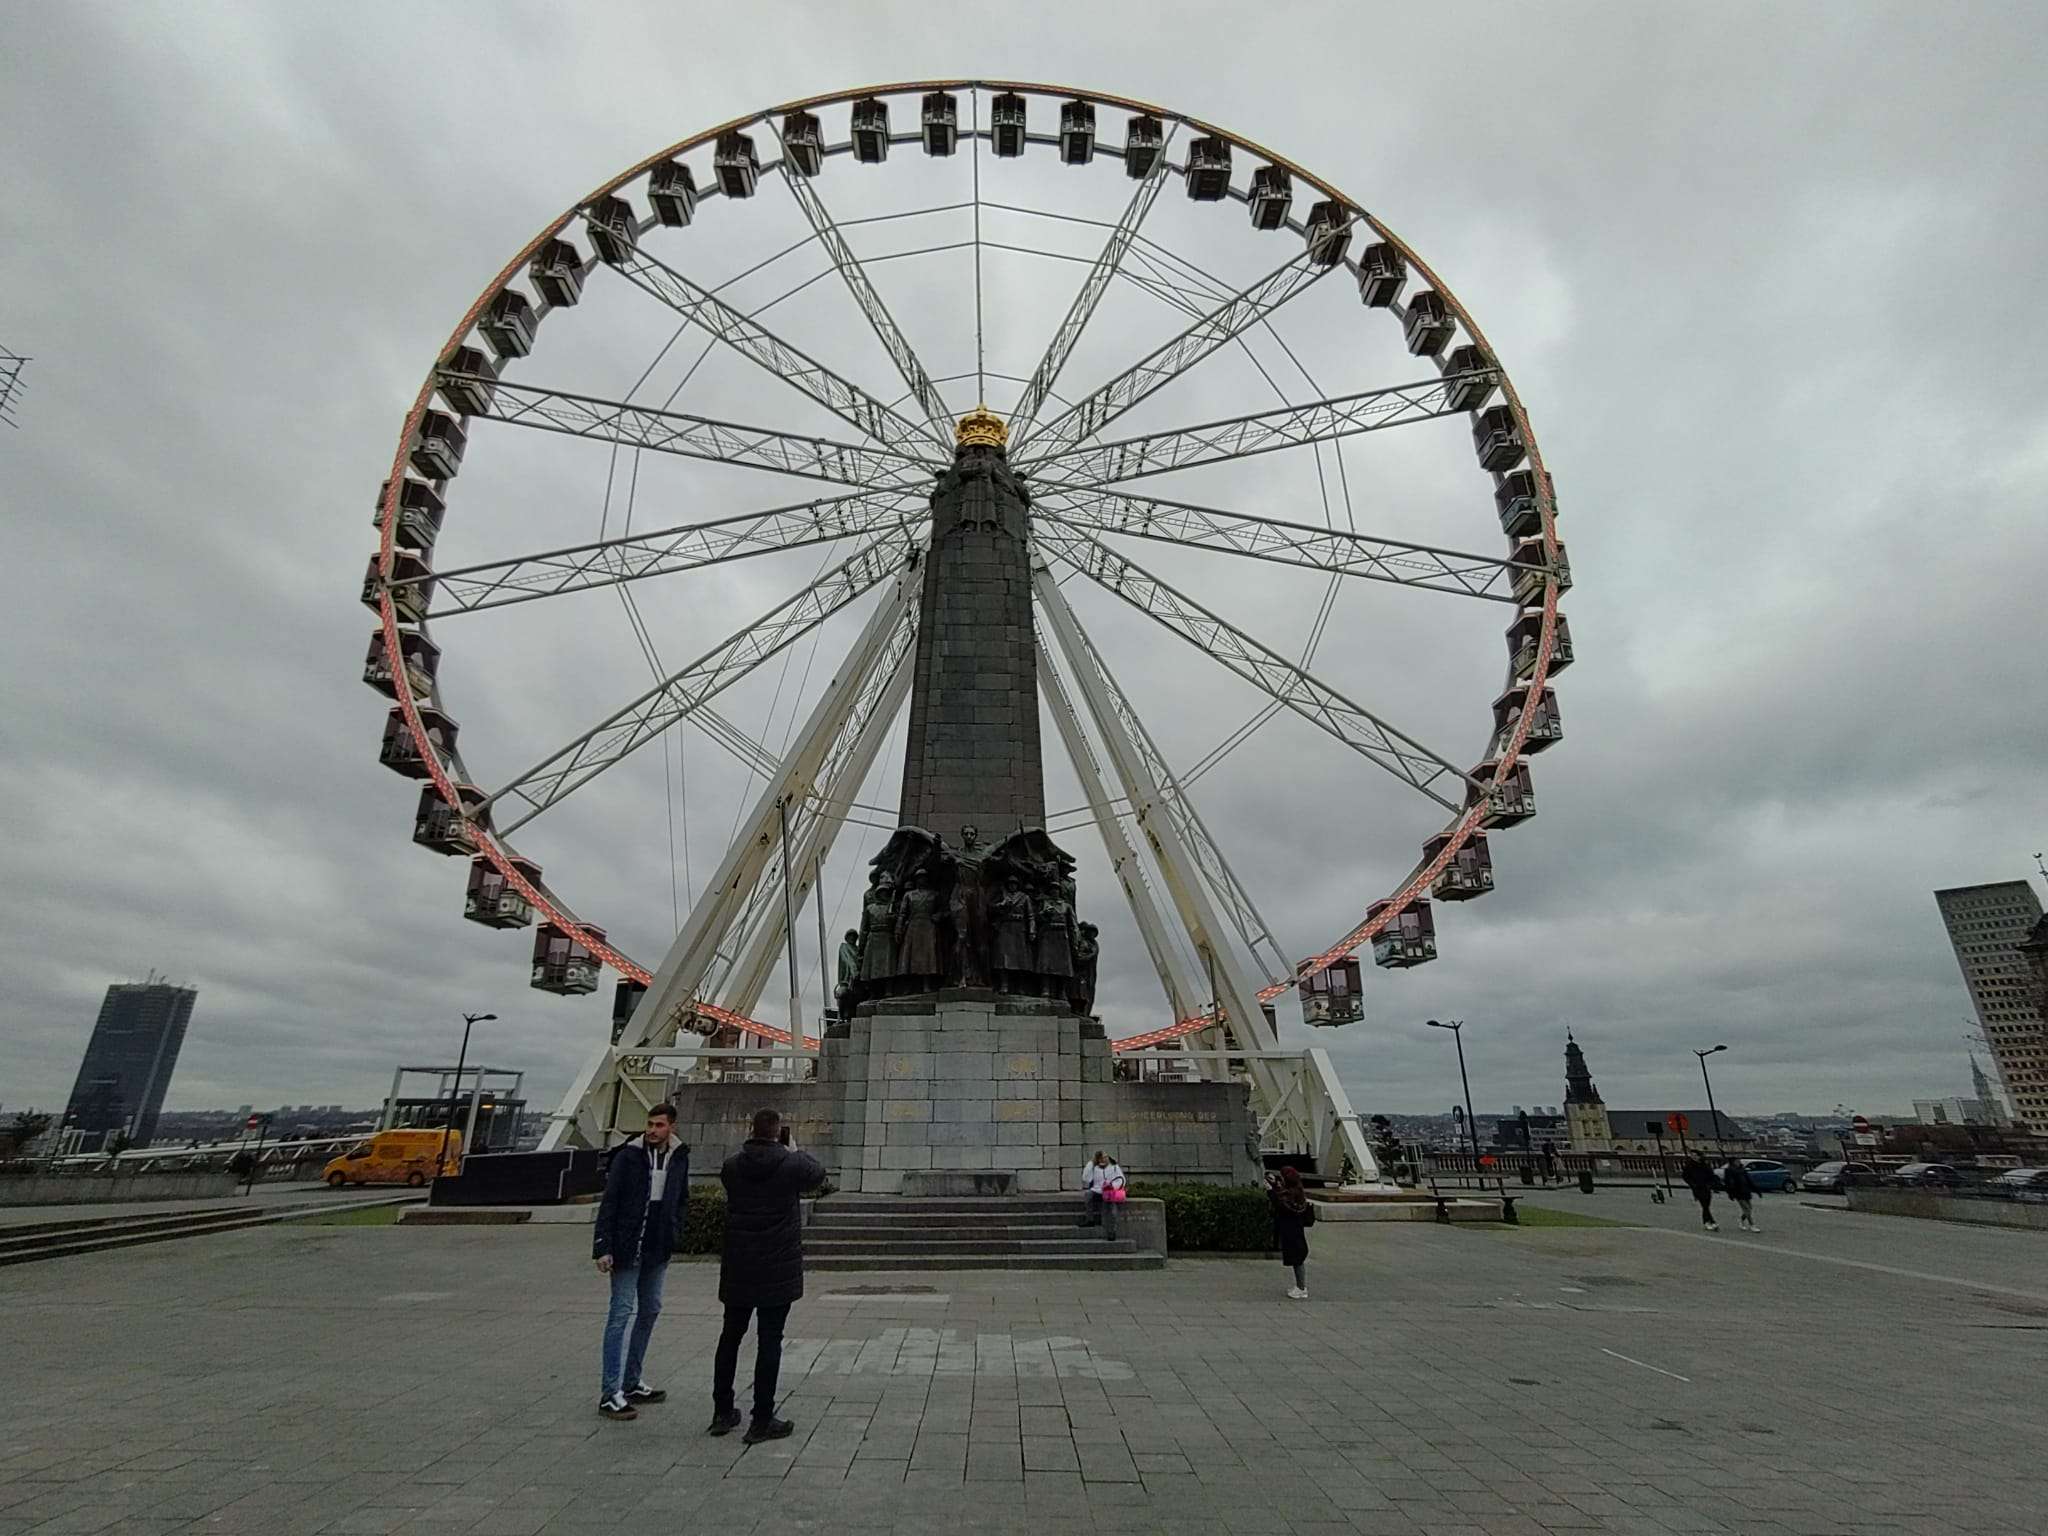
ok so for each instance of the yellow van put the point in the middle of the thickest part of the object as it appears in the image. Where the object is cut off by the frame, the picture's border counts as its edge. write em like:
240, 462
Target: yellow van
394, 1157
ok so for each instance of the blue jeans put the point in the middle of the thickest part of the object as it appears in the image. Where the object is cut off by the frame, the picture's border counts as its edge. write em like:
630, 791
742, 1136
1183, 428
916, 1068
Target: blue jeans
636, 1300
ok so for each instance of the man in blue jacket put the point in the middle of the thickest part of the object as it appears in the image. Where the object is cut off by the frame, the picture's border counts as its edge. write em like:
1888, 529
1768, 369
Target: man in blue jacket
632, 1241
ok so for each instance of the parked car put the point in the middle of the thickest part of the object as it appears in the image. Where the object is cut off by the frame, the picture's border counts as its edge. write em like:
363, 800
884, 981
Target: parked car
1928, 1176
2026, 1180
1833, 1178
1770, 1178
395, 1157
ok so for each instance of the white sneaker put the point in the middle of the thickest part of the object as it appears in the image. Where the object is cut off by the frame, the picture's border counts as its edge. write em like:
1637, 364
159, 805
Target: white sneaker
1296, 1293
1713, 1226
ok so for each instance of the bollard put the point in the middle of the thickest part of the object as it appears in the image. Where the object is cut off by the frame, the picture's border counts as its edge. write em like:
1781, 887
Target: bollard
1585, 1181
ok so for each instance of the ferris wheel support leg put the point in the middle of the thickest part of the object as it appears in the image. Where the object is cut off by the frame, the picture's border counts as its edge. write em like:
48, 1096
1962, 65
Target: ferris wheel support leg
1233, 989
675, 986
821, 821
1185, 993
1338, 1133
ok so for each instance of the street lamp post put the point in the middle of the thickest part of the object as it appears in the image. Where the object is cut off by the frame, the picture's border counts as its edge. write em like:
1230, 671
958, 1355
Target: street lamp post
1457, 1029
469, 1022
1711, 1110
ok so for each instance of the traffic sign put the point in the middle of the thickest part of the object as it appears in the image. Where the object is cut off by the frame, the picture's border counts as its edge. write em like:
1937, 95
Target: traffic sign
1679, 1123
1861, 1124
252, 1122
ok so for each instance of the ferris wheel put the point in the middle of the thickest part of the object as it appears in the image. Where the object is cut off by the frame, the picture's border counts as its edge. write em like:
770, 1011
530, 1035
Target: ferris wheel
1184, 335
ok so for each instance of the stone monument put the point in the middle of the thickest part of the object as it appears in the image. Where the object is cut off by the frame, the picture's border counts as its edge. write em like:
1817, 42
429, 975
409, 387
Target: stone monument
966, 1058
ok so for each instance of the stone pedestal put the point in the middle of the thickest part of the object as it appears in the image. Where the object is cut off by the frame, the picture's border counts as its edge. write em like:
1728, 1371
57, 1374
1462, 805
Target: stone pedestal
966, 1083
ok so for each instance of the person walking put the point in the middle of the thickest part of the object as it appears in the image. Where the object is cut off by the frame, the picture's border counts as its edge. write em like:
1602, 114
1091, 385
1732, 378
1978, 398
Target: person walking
1699, 1178
1292, 1217
1549, 1163
632, 1241
762, 1273
1741, 1189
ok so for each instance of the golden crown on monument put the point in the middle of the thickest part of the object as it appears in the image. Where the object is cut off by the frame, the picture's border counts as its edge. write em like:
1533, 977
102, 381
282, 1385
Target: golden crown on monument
982, 428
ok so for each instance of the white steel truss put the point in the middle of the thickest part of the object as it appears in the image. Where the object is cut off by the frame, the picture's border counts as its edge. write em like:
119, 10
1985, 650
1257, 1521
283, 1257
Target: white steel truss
929, 401
696, 437
666, 551
1234, 994
815, 823
1305, 1096
627, 729
1337, 550
1315, 701
1186, 993
1241, 312
674, 997
756, 342
1025, 413
1240, 437
1252, 928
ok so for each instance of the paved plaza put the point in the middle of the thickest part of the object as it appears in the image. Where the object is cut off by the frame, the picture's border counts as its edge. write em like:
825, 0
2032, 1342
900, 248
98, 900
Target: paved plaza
1838, 1373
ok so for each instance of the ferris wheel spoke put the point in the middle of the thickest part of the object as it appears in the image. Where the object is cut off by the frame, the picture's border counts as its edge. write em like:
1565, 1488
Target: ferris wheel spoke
1241, 312
1321, 705
1025, 413
1340, 551
755, 342
1241, 437
664, 551
696, 437
937, 418
676, 696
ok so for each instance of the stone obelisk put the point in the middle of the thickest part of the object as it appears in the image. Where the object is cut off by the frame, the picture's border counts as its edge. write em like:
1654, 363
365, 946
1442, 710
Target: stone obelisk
965, 1058
973, 758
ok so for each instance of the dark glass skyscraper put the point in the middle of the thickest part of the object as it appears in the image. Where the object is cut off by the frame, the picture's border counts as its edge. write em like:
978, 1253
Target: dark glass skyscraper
129, 1062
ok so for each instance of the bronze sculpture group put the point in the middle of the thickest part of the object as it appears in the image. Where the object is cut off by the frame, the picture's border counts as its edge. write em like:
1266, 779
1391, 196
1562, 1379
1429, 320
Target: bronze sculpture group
1001, 919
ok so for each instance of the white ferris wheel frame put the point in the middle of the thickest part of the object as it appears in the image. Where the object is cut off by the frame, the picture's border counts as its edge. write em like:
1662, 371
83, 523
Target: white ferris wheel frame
1080, 482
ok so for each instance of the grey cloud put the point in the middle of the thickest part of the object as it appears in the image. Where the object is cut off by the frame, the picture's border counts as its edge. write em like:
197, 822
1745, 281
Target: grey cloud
1766, 283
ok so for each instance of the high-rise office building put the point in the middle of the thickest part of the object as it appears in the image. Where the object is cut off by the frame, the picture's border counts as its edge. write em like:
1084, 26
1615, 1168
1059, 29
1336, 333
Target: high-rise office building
129, 1062
1986, 925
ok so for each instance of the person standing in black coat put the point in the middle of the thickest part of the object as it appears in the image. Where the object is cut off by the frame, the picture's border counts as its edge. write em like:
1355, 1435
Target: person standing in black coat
632, 1241
763, 1269
1699, 1178
1292, 1217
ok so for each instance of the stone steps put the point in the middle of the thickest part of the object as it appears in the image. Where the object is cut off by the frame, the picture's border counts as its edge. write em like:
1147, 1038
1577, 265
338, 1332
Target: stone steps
849, 1245
923, 1263
884, 1232
71, 1239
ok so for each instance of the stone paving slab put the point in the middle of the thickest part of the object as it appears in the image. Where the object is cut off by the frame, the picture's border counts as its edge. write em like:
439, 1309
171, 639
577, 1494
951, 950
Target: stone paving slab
1441, 1382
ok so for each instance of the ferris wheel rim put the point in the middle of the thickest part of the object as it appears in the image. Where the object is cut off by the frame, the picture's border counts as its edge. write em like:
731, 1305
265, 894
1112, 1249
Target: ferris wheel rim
492, 847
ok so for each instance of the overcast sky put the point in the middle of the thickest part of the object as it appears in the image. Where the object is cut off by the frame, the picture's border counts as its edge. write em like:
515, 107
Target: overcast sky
1767, 279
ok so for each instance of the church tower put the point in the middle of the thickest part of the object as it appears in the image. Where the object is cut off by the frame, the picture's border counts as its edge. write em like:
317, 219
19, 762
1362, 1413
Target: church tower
1585, 1115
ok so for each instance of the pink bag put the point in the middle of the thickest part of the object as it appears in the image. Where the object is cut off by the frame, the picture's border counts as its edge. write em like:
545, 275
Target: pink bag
1114, 1194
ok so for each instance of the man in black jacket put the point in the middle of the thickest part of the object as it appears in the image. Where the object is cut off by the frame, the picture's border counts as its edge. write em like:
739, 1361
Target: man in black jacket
632, 1240
763, 1268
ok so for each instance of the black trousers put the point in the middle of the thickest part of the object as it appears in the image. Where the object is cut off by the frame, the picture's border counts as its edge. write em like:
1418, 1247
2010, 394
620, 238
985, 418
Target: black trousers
767, 1356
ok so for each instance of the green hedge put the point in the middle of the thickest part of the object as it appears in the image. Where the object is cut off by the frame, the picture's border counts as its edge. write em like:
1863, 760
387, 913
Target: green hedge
704, 1221
1212, 1218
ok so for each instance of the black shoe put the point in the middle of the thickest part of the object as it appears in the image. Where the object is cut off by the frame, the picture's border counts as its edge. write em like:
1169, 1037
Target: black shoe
643, 1393
769, 1429
616, 1407
724, 1423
